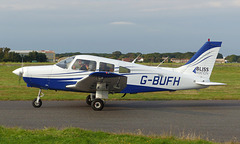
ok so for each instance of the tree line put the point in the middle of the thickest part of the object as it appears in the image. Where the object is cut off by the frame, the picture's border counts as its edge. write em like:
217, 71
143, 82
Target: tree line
151, 57
233, 58
7, 56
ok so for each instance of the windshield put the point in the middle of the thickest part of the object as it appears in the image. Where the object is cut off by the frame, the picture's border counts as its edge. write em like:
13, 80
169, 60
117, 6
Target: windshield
65, 63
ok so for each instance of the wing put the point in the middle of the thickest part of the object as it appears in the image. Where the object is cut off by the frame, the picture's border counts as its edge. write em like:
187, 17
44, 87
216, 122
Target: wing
115, 82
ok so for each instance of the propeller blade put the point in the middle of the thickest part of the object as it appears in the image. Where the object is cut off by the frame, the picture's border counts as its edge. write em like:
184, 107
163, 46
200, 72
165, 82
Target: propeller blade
20, 75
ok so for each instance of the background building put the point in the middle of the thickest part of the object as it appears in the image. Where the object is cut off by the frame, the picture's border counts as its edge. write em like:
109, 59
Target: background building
49, 54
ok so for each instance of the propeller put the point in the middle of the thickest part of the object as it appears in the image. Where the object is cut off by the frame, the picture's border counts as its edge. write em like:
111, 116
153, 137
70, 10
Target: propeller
19, 72
20, 75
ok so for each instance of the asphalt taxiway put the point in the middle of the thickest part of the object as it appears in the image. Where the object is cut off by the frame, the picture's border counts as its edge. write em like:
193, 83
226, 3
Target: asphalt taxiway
217, 120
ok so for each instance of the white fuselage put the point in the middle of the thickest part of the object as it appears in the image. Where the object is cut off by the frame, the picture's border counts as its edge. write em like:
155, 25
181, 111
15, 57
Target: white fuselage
140, 78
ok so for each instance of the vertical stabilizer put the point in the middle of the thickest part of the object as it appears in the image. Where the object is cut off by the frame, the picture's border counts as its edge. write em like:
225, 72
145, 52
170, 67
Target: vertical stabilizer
201, 64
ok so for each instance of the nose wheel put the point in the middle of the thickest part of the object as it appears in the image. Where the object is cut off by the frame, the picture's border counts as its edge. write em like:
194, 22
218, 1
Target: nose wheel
37, 102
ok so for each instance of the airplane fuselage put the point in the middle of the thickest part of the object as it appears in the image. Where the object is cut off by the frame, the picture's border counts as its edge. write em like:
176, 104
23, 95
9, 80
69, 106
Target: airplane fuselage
140, 78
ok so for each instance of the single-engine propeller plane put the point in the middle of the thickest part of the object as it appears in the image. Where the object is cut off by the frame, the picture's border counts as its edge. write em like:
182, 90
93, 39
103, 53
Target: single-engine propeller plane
102, 76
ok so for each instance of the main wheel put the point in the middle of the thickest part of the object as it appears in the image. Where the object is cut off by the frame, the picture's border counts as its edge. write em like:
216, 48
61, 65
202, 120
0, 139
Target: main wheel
88, 100
97, 105
37, 104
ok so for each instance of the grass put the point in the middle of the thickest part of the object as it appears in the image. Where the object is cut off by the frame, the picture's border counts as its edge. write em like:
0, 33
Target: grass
11, 89
76, 135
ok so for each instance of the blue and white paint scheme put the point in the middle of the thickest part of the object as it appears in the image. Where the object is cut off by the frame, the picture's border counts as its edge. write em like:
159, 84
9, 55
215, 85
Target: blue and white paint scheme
101, 76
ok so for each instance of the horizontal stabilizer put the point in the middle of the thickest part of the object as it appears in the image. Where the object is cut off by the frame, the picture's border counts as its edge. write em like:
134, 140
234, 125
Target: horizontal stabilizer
211, 83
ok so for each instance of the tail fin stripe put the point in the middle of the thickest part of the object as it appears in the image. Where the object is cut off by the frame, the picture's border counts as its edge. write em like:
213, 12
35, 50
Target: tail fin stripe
203, 60
194, 62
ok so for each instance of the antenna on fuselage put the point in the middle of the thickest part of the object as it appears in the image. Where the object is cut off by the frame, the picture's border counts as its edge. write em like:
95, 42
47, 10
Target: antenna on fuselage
163, 61
136, 58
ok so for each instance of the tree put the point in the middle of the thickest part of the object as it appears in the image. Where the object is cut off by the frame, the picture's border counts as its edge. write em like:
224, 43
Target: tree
232, 58
14, 57
27, 58
41, 57
6, 53
33, 55
219, 56
1, 54
116, 54
188, 55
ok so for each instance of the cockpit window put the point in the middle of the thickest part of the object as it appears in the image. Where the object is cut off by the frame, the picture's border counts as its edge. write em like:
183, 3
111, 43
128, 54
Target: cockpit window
106, 67
65, 63
86, 65
124, 70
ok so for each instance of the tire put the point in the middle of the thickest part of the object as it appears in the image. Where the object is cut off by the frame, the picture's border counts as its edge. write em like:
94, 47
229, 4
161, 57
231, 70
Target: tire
35, 104
97, 105
88, 100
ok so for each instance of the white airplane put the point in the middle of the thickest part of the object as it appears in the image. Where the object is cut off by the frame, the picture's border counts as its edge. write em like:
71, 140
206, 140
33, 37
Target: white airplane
102, 76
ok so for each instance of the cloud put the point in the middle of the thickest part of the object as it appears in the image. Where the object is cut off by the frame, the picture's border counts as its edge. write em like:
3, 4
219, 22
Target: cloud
216, 4
24, 7
122, 23
190, 5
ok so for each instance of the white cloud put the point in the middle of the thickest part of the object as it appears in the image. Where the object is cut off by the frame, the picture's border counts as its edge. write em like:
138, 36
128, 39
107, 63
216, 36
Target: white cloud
189, 5
215, 4
236, 3
116, 5
122, 23
19, 7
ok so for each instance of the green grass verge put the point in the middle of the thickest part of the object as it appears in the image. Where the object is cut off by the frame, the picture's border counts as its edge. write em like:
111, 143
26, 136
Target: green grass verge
10, 89
76, 135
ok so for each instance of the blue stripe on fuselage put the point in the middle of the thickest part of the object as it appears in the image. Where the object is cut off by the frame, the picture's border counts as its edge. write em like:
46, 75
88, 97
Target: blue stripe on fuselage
50, 83
139, 89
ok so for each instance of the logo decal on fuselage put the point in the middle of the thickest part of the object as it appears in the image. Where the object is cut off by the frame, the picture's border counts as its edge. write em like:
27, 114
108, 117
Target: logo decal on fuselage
160, 80
201, 70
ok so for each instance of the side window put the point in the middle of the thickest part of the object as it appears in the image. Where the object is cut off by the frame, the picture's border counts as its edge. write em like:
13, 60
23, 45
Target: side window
86, 65
124, 70
106, 67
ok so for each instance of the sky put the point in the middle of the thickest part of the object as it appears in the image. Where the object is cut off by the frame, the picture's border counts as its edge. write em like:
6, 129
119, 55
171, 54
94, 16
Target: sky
105, 26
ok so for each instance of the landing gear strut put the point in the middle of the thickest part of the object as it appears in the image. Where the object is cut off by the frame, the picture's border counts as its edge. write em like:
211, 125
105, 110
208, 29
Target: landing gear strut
37, 102
96, 99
